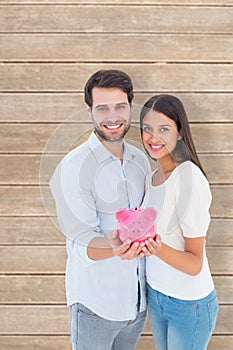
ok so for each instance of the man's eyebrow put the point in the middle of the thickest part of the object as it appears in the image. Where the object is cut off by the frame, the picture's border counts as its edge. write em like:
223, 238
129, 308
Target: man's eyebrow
109, 104
101, 105
122, 103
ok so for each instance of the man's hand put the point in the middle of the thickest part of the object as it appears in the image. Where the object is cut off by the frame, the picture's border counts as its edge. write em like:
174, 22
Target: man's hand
126, 250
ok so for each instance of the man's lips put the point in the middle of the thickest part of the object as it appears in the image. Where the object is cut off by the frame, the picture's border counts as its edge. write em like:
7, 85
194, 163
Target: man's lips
113, 126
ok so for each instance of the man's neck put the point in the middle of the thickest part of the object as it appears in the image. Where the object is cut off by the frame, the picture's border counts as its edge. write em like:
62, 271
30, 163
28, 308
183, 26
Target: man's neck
115, 147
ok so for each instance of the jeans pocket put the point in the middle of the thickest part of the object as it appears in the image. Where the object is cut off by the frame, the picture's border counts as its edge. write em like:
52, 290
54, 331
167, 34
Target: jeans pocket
188, 304
85, 312
212, 306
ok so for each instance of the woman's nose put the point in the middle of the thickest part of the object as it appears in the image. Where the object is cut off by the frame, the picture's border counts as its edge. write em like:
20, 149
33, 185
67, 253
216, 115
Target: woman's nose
154, 136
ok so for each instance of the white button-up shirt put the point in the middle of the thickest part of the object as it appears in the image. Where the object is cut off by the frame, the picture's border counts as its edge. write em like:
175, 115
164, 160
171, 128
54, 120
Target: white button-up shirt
89, 185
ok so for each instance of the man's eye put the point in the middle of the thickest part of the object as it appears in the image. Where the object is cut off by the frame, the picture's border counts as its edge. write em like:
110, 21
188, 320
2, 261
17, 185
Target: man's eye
121, 106
102, 109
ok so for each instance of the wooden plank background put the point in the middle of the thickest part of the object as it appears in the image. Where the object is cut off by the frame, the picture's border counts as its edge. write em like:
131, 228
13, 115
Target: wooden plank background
48, 49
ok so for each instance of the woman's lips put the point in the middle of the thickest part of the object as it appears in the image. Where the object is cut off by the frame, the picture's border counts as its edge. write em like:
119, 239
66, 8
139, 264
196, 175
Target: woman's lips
156, 148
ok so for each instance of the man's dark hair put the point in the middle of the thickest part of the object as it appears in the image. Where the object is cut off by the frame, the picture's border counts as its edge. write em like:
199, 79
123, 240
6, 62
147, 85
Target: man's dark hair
111, 78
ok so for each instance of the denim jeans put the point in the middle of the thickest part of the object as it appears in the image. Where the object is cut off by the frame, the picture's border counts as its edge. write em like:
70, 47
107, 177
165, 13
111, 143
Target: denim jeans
88, 331
181, 324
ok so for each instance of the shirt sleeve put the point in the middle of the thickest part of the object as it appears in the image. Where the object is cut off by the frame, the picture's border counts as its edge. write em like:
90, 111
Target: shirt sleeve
75, 208
193, 200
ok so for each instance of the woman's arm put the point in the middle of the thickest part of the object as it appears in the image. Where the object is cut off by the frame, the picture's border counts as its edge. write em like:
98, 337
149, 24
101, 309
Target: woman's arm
189, 261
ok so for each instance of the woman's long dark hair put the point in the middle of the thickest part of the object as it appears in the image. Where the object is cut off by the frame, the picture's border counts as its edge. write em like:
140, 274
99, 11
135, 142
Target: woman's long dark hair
173, 108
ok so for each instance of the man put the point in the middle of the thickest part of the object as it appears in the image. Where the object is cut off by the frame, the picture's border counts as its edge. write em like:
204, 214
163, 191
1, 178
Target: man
105, 279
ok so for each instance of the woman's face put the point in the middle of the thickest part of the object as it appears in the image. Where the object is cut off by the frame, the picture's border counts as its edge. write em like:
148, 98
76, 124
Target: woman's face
159, 134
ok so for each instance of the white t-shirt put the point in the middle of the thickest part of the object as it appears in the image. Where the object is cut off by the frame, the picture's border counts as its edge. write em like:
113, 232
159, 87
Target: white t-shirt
182, 203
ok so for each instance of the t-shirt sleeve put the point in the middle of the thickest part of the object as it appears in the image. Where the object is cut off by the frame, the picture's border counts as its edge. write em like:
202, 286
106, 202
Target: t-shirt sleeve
193, 200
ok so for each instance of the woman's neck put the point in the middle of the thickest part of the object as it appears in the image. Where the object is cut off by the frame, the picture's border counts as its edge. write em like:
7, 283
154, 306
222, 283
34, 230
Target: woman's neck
165, 169
166, 166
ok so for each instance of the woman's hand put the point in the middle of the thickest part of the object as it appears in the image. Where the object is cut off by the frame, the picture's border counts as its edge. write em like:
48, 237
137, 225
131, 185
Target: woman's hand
126, 250
152, 246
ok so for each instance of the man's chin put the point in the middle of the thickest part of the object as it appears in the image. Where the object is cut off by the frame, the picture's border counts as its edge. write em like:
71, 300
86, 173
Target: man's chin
111, 138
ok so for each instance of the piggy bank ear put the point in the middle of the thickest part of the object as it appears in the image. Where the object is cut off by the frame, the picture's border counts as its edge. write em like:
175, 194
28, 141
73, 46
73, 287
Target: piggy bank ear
122, 215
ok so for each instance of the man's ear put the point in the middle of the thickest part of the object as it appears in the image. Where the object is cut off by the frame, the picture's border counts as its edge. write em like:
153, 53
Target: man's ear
90, 111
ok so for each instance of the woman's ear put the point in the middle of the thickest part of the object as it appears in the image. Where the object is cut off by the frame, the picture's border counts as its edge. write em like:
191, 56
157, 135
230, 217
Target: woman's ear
180, 135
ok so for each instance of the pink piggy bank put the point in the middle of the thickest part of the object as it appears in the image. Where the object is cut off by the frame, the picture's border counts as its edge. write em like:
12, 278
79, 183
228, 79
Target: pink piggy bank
136, 224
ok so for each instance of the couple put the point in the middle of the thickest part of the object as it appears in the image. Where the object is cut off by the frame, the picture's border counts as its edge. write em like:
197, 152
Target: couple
107, 281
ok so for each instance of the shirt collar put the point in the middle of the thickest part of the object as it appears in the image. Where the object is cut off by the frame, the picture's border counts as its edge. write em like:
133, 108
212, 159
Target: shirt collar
102, 153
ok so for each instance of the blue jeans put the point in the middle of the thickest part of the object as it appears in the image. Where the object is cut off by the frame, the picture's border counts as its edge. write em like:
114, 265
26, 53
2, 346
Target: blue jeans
181, 324
88, 331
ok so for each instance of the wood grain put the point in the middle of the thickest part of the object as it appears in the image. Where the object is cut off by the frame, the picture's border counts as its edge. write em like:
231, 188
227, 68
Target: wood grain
57, 320
103, 47
25, 289
100, 19
50, 138
25, 169
52, 259
32, 231
49, 48
222, 201
220, 232
163, 77
62, 342
123, 2
32, 201
33, 259
42, 231
55, 107
49, 290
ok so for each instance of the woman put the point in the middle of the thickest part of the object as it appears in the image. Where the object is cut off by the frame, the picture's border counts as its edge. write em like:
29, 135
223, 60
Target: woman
182, 300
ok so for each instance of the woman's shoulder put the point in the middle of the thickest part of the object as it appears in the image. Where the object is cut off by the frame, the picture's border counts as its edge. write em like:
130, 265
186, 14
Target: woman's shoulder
192, 171
191, 177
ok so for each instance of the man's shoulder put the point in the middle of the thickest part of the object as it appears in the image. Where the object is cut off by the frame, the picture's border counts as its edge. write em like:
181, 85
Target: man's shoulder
78, 153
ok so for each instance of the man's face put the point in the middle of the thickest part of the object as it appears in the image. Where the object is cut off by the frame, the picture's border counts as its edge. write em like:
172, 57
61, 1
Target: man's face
111, 113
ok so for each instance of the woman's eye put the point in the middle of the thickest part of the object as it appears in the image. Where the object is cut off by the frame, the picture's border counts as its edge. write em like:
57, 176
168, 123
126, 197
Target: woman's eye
164, 129
147, 129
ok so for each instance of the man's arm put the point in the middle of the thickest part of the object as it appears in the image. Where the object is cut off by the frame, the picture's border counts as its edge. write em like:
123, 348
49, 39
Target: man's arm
103, 248
79, 221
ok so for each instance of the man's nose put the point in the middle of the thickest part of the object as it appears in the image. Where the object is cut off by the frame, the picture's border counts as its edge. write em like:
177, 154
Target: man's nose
113, 114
